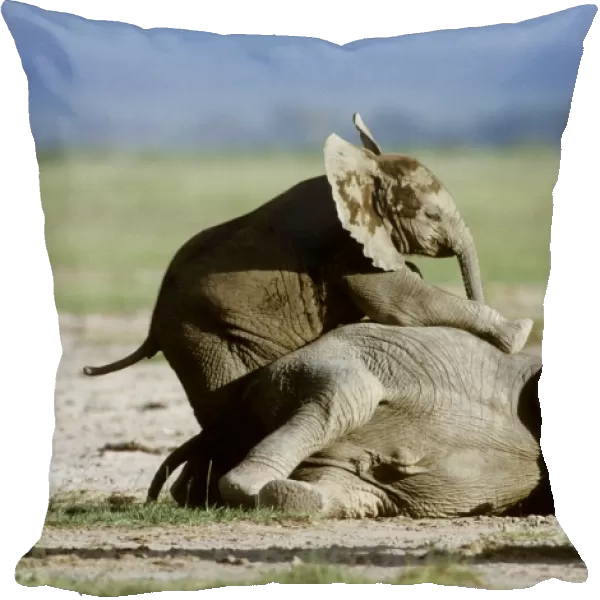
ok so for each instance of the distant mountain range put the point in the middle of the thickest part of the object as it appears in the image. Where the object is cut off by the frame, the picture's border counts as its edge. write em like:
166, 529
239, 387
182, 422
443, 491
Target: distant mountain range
110, 84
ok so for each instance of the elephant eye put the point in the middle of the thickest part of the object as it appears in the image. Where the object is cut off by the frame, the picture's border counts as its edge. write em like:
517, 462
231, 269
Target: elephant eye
433, 215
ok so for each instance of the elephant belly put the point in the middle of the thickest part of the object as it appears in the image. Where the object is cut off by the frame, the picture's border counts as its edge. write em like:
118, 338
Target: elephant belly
447, 480
465, 482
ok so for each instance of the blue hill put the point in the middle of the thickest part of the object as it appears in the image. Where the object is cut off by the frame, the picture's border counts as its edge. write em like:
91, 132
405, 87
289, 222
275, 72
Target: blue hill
104, 83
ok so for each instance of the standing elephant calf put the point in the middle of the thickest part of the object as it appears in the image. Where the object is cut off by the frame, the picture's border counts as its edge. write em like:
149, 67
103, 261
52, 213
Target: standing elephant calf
374, 420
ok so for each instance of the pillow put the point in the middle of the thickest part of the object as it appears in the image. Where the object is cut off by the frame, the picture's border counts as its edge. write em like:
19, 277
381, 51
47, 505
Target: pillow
146, 137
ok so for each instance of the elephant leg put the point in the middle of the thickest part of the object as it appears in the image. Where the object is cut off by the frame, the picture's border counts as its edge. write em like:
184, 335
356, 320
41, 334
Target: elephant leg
326, 491
403, 298
209, 371
341, 401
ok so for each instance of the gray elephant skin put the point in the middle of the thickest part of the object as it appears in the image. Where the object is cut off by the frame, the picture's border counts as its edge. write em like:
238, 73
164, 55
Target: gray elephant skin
373, 421
327, 252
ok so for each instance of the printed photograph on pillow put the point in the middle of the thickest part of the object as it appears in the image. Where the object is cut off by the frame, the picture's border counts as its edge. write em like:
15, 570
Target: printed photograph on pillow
300, 295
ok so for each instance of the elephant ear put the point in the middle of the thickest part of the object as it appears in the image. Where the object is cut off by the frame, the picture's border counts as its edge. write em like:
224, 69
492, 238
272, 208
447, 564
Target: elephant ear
366, 137
351, 173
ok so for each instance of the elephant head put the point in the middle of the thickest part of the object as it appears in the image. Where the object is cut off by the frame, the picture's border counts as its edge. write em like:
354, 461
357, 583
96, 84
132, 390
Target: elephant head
395, 206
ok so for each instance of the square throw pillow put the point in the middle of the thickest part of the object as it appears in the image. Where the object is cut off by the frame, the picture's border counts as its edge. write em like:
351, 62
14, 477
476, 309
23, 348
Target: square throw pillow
247, 236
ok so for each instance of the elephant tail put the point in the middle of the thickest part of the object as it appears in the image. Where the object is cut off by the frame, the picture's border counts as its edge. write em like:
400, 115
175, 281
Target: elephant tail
147, 350
169, 465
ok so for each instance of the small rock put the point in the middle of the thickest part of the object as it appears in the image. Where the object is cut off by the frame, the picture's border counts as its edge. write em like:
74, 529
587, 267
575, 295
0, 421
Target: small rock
296, 561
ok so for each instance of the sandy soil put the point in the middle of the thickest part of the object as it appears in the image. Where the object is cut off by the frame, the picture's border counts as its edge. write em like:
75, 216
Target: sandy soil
144, 404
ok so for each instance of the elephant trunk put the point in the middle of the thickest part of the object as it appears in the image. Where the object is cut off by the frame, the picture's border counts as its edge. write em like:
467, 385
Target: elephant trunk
469, 267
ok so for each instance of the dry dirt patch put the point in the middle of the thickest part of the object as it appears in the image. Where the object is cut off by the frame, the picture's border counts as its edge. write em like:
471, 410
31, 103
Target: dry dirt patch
505, 554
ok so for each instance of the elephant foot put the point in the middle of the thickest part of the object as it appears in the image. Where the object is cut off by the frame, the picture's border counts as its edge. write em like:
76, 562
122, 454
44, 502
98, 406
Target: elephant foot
514, 335
291, 496
239, 490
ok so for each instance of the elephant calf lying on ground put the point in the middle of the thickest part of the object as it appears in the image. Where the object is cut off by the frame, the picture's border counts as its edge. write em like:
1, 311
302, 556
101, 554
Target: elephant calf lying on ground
375, 420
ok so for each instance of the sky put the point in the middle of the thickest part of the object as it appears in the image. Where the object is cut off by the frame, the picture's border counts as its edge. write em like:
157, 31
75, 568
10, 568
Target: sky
110, 84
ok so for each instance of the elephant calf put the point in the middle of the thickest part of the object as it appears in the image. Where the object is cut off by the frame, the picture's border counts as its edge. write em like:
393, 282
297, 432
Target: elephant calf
327, 252
375, 420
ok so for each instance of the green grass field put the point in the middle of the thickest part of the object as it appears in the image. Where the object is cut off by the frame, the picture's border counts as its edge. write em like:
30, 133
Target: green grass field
114, 221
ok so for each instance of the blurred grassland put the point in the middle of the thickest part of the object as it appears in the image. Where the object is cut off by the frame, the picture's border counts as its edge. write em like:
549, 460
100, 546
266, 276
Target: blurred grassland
113, 221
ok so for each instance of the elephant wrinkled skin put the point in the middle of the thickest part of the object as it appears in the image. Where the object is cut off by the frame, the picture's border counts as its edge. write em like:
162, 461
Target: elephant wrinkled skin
375, 420
327, 252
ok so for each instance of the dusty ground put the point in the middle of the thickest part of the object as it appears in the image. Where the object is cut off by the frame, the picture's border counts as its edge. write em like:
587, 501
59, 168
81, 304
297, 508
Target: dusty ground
144, 404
